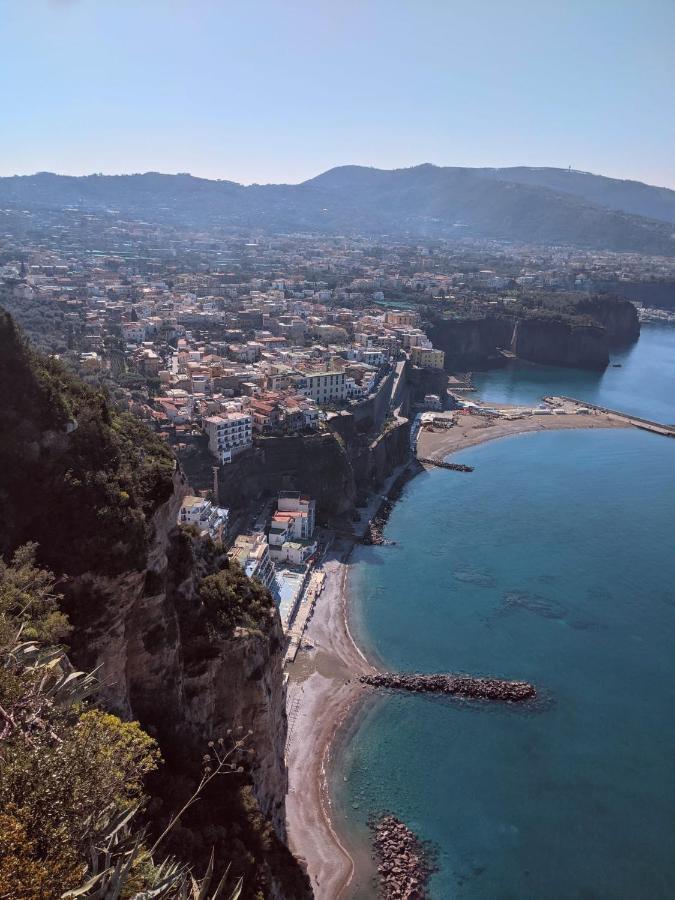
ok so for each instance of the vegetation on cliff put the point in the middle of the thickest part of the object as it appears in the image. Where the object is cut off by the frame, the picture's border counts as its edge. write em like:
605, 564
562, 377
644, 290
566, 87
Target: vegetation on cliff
70, 774
80, 789
76, 475
617, 315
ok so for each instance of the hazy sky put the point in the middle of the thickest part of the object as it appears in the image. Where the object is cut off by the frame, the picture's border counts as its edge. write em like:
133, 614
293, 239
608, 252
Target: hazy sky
256, 90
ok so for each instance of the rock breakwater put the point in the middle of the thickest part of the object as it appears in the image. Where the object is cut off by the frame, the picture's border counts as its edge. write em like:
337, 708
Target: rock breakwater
456, 685
453, 467
403, 862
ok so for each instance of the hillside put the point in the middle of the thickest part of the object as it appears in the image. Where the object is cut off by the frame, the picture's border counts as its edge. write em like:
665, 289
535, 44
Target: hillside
628, 196
523, 205
183, 644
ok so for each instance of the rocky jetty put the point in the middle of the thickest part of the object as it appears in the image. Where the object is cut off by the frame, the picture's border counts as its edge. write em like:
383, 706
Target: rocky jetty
375, 531
453, 467
455, 685
403, 862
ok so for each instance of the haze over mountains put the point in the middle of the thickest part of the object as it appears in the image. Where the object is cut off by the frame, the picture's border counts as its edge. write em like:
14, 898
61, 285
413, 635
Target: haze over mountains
530, 205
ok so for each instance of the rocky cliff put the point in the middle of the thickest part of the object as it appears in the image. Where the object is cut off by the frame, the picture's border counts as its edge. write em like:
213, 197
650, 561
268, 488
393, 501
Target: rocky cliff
316, 464
162, 663
475, 343
471, 343
557, 343
618, 316
100, 494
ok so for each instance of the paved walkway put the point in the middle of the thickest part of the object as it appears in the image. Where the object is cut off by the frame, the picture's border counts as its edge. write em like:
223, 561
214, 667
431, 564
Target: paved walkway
302, 616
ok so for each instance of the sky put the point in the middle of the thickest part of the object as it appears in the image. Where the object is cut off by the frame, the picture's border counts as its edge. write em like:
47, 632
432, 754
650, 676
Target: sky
262, 91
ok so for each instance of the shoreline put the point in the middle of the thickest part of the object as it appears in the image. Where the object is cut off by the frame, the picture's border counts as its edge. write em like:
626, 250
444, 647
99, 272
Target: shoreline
322, 700
324, 696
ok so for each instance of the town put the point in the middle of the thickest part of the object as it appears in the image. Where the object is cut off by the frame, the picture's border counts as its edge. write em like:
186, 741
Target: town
230, 345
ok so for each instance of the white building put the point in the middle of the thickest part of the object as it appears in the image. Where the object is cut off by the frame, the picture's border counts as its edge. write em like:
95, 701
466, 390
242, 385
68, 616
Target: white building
229, 434
292, 528
209, 519
252, 553
432, 401
133, 332
324, 387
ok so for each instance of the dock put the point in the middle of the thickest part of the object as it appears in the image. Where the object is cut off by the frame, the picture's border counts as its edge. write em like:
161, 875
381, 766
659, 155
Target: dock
637, 421
296, 631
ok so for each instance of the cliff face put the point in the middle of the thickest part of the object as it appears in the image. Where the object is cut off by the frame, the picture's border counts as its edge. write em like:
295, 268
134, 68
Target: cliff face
473, 343
316, 464
560, 344
162, 665
618, 316
101, 494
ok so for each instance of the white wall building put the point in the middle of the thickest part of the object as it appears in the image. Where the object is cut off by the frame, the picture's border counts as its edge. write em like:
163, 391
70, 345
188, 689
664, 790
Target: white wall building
209, 519
292, 528
252, 553
229, 434
324, 387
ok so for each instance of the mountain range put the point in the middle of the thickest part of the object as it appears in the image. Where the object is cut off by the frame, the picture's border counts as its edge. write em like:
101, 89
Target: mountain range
525, 205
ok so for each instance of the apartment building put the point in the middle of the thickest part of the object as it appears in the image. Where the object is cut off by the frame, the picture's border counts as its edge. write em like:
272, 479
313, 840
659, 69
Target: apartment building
229, 434
427, 357
252, 553
209, 519
292, 528
324, 387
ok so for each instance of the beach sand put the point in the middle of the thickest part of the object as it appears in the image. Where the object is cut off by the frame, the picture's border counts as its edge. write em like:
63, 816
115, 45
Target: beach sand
472, 430
320, 698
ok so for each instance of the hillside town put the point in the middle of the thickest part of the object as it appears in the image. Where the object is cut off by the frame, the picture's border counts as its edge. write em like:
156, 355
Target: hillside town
223, 344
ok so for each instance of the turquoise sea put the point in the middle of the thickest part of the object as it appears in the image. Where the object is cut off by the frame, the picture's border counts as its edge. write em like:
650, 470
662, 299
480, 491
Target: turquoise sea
554, 562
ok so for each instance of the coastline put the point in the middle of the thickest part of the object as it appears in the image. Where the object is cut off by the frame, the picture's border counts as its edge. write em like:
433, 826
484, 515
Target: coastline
325, 699
322, 699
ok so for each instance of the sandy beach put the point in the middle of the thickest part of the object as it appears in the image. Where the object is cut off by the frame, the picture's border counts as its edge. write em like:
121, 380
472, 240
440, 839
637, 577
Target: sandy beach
320, 698
322, 691
473, 430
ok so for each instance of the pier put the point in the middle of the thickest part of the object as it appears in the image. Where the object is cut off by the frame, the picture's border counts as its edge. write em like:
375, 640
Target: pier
637, 421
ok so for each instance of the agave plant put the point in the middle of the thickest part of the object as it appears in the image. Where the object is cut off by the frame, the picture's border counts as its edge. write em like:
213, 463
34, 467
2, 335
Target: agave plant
120, 851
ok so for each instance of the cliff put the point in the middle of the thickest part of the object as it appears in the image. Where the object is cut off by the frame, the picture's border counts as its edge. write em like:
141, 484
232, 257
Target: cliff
316, 464
163, 663
547, 339
557, 343
471, 343
617, 315
101, 495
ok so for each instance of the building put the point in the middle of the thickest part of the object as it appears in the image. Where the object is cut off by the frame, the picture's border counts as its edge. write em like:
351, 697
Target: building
292, 528
400, 317
229, 434
209, 519
432, 401
427, 357
304, 510
324, 387
252, 553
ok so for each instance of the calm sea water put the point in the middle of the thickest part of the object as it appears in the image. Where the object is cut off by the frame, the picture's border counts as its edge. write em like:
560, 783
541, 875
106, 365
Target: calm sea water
555, 562
644, 383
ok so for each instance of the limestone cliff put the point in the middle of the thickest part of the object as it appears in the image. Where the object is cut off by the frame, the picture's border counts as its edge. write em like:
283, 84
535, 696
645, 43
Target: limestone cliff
316, 464
475, 343
471, 343
618, 316
100, 495
162, 664
559, 343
